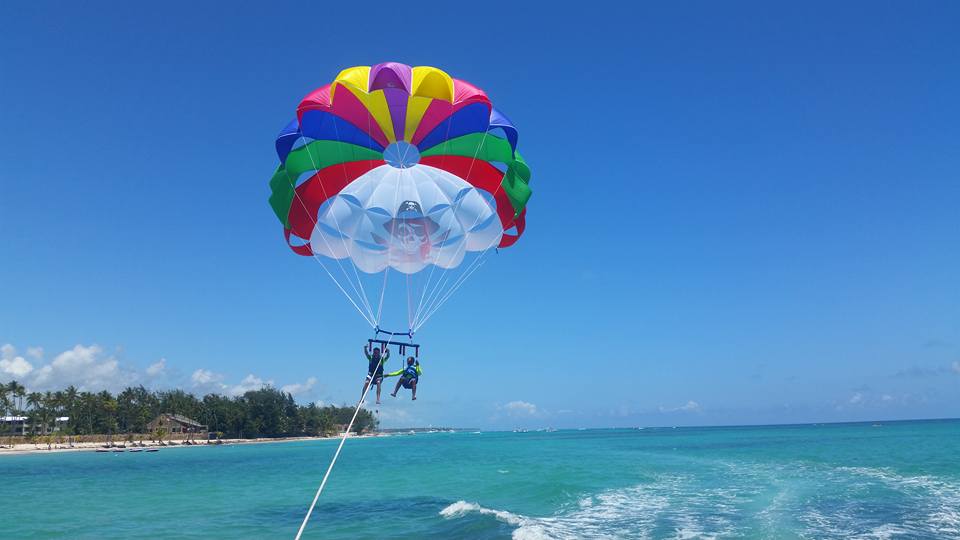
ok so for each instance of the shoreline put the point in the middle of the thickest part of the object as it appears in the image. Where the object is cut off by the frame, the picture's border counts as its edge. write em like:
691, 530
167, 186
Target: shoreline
31, 448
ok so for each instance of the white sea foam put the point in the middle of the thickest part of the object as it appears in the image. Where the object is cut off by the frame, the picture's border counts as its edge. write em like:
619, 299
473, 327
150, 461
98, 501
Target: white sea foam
940, 500
633, 512
769, 497
461, 508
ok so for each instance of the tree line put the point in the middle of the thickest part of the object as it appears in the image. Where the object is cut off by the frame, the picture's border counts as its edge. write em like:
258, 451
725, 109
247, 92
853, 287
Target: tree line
267, 412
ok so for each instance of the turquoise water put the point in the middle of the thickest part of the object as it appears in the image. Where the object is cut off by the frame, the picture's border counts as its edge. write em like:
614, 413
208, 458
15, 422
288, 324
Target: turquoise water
896, 480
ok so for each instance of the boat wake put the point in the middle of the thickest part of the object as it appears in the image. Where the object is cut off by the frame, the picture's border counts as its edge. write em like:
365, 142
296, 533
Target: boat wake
635, 512
822, 502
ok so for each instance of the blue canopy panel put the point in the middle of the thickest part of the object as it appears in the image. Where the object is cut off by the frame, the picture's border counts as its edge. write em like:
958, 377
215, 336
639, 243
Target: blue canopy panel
323, 126
499, 120
474, 118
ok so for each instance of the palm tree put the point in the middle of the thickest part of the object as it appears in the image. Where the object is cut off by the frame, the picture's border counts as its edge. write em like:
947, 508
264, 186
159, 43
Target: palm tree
4, 407
34, 399
59, 400
18, 391
70, 400
48, 407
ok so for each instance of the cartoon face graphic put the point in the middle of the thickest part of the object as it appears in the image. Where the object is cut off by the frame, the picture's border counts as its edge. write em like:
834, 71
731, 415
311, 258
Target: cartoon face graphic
410, 232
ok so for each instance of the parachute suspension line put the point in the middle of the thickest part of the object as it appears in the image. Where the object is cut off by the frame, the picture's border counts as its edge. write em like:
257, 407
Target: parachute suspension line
464, 275
336, 221
440, 292
383, 291
366, 317
457, 252
386, 271
443, 158
477, 262
362, 298
445, 273
409, 307
450, 217
438, 296
474, 265
434, 306
336, 455
454, 288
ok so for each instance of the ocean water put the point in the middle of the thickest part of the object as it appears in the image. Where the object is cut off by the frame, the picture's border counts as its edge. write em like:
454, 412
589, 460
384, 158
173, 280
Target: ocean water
893, 480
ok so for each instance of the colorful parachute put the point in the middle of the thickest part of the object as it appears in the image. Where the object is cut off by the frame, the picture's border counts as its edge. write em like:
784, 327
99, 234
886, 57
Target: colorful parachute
399, 167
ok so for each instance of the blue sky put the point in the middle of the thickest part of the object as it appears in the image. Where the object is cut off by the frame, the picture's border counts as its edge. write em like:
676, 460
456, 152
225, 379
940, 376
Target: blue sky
742, 213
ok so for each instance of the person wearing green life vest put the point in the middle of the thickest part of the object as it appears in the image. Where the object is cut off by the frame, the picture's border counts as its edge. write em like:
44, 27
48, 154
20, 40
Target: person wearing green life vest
408, 376
374, 368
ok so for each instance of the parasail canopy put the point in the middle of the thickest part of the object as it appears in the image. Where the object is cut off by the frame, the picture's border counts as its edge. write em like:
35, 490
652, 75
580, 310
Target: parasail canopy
399, 168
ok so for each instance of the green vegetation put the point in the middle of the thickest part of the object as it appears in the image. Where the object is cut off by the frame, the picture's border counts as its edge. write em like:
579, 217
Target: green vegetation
258, 413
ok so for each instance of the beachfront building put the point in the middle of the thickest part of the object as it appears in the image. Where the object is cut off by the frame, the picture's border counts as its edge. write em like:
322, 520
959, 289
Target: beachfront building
20, 426
177, 424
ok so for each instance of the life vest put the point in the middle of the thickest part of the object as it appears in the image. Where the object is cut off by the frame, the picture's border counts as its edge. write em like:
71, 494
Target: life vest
412, 372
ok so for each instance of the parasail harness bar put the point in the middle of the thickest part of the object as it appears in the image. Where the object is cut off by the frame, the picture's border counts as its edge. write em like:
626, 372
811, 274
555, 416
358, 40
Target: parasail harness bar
389, 341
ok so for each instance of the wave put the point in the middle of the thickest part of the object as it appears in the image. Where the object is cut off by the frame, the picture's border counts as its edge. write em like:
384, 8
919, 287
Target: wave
635, 512
936, 499
797, 500
461, 508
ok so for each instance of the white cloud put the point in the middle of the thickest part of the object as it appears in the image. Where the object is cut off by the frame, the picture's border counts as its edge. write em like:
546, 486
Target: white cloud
956, 367
205, 380
520, 408
157, 368
85, 367
11, 365
299, 388
856, 398
89, 368
202, 377
250, 382
886, 397
690, 406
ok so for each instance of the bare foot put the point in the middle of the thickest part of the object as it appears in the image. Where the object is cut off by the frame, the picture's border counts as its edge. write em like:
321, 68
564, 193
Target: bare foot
414, 398
378, 402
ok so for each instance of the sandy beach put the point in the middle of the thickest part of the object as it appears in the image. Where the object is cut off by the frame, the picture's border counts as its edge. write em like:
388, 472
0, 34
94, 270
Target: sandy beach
30, 448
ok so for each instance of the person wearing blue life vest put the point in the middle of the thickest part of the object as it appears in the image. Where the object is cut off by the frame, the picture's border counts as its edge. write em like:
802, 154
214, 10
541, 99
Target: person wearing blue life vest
408, 376
374, 368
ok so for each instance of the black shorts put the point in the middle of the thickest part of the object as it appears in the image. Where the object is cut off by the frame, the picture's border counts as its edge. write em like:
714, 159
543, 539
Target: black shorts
375, 379
406, 382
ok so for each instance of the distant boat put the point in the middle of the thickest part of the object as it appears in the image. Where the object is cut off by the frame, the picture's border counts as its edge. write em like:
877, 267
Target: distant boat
136, 450
152, 450
102, 450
